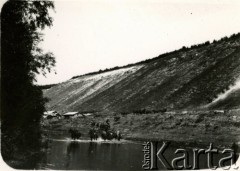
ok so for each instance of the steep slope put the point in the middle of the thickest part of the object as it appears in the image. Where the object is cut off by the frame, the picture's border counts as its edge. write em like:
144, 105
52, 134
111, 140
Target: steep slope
72, 93
189, 78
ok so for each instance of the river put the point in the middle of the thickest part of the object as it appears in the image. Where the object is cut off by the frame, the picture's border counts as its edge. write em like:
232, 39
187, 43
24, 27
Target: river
64, 153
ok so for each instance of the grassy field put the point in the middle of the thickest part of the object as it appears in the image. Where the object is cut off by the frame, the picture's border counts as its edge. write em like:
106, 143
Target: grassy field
179, 126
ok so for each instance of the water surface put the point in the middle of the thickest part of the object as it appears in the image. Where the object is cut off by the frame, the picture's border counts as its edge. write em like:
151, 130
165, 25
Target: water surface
67, 154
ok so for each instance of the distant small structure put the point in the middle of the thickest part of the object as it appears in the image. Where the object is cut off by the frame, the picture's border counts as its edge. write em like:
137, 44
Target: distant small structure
219, 111
87, 114
72, 115
51, 114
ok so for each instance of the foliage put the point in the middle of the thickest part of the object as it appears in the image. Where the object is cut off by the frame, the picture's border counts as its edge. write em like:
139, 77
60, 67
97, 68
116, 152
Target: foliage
22, 103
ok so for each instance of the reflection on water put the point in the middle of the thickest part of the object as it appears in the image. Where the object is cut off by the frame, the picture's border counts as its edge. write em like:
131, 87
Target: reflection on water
94, 155
104, 155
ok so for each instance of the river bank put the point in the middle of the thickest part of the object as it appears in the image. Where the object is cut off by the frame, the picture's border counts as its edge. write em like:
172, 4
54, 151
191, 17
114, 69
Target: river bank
201, 127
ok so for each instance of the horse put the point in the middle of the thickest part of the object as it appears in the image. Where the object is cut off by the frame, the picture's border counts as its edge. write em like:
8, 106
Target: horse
109, 135
119, 135
104, 135
93, 134
75, 134
104, 127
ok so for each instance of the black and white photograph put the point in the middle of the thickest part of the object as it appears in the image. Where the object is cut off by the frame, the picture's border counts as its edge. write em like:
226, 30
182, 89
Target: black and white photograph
120, 85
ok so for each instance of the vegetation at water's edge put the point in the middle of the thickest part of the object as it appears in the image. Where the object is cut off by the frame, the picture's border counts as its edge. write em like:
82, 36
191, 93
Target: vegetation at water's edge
22, 103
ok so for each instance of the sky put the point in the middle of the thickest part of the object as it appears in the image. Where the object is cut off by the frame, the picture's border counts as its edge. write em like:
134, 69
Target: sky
88, 35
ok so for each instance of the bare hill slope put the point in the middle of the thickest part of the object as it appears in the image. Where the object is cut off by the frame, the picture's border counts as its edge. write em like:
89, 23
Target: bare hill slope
190, 78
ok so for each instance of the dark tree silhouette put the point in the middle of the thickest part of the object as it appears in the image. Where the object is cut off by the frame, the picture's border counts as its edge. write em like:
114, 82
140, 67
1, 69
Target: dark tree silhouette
22, 103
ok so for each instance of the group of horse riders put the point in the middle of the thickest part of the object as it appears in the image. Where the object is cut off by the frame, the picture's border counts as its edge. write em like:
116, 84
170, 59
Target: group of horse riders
98, 130
103, 130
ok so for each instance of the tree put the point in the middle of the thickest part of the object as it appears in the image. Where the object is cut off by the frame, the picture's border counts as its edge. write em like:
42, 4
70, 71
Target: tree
22, 103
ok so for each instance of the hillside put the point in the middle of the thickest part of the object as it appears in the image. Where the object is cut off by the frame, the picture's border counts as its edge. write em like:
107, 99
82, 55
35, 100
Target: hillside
189, 78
